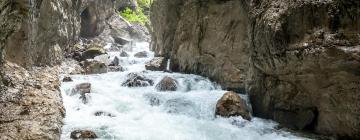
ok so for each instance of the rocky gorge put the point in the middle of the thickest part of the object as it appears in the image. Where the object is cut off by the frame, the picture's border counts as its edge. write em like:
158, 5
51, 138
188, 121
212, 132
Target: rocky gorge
82, 69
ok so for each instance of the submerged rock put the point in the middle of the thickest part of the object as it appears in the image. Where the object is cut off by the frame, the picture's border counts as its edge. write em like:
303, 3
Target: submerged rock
142, 54
116, 69
137, 80
115, 62
94, 67
181, 106
153, 99
156, 64
124, 54
231, 104
102, 113
167, 84
83, 134
67, 79
81, 88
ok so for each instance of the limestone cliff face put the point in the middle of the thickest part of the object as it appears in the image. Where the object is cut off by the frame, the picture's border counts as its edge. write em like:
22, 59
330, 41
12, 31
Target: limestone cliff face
298, 60
208, 38
34, 35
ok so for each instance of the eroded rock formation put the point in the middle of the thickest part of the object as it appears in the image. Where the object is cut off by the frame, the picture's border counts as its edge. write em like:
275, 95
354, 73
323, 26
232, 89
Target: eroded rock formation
296, 59
34, 36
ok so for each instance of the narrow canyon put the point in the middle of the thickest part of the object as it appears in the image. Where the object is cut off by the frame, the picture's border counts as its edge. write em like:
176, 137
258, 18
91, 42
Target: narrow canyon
179, 69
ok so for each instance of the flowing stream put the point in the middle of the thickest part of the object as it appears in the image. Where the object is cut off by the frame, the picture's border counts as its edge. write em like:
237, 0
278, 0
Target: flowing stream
144, 113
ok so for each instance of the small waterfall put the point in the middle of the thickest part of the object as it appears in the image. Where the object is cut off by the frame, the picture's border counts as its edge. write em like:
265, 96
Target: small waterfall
168, 65
32, 28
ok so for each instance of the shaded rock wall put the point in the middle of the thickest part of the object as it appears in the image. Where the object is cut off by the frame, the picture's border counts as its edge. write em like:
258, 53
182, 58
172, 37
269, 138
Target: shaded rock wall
305, 64
208, 38
50, 27
34, 36
298, 60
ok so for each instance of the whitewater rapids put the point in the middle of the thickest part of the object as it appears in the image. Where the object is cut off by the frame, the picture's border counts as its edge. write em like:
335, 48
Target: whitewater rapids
144, 113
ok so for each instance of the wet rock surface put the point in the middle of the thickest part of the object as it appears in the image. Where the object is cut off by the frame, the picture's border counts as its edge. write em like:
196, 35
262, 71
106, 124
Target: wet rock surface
94, 67
142, 54
67, 79
124, 54
115, 61
156, 64
91, 53
83, 134
137, 80
82, 88
116, 69
231, 104
167, 84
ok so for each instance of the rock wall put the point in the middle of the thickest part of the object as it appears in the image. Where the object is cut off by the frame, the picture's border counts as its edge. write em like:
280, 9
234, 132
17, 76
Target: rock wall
50, 27
208, 38
34, 36
298, 60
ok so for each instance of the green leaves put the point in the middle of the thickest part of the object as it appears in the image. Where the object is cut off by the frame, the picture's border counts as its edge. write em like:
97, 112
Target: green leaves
137, 16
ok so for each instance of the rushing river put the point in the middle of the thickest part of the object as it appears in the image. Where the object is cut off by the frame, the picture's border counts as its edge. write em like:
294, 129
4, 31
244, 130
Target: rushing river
146, 114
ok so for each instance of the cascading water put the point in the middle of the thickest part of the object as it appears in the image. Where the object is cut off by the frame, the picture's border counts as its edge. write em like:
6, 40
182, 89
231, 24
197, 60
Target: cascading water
168, 65
144, 113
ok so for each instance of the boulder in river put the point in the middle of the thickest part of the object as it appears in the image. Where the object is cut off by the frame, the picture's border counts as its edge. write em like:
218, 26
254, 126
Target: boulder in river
116, 69
91, 53
167, 84
82, 88
231, 104
121, 41
124, 54
94, 67
115, 62
102, 113
83, 134
156, 64
137, 80
142, 54
67, 79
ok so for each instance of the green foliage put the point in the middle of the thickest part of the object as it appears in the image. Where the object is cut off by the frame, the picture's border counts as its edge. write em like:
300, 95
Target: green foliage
144, 3
137, 16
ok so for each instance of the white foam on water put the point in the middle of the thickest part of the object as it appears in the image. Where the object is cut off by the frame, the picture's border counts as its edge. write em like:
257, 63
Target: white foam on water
146, 114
